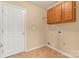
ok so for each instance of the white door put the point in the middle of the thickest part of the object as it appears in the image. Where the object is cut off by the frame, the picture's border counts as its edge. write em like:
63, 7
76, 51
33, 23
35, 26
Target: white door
13, 30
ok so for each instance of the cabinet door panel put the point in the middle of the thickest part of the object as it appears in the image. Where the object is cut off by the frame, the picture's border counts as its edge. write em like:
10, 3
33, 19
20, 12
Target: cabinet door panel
50, 16
68, 11
58, 13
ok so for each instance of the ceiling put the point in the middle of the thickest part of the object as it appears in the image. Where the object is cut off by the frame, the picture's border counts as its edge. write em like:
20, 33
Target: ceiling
43, 4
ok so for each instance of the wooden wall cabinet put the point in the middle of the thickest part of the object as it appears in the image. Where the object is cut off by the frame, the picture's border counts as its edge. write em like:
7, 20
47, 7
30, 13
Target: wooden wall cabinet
62, 13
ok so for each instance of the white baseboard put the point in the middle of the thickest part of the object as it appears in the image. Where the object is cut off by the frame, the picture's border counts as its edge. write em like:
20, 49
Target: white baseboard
50, 47
60, 51
35, 48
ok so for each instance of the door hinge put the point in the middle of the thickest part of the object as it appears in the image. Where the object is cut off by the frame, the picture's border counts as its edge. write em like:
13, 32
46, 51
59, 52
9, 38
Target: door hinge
2, 10
2, 31
2, 51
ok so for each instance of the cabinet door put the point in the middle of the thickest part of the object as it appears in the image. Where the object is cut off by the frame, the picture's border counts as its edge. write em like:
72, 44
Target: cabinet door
68, 11
58, 13
50, 16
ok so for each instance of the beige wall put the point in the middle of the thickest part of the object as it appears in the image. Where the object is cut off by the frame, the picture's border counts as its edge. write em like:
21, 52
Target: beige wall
68, 41
34, 16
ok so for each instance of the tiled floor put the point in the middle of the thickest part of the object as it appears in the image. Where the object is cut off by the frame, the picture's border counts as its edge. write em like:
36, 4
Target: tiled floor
43, 52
